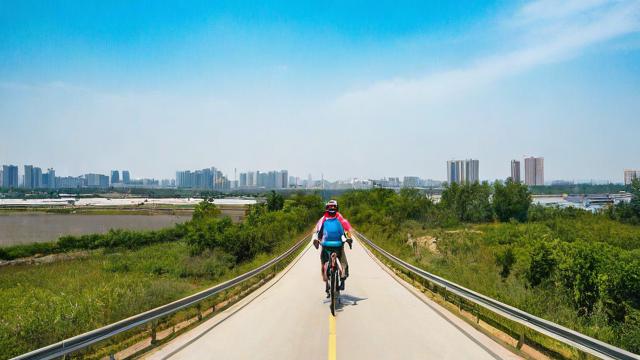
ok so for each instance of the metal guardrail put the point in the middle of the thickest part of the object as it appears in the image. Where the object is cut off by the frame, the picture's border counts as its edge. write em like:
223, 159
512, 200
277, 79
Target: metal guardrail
560, 333
87, 339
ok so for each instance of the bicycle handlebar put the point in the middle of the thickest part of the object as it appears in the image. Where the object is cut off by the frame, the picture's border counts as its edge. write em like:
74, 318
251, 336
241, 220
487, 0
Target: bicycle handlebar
349, 241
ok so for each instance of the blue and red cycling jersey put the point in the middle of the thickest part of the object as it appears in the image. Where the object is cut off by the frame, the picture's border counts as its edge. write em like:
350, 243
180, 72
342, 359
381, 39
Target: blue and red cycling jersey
331, 228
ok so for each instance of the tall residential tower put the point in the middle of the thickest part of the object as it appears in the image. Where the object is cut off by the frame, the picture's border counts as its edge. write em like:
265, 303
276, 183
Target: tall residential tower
463, 171
534, 171
515, 171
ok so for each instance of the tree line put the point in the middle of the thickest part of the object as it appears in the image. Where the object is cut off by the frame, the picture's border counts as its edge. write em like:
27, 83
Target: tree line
266, 226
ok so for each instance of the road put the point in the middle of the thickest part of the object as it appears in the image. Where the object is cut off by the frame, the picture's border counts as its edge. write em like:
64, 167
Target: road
289, 318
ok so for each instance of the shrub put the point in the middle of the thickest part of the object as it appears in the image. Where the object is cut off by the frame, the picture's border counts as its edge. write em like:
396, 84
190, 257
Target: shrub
511, 200
542, 264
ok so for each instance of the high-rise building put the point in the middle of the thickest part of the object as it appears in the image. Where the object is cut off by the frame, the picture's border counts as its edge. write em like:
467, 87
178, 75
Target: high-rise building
515, 171
220, 181
69, 182
36, 178
10, 176
210, 178
183, 179
534, 171
45, 180
293, 181
463, 171
51, 179
411, 182
115, 176
126, 177
263, 179
97, 180
32, 177
27, 181
629, 175
243, 180
284, 176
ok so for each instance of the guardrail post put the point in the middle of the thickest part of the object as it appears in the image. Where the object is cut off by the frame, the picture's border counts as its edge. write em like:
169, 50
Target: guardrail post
154, 326
199, 307
112, 356
477, 314
521, 340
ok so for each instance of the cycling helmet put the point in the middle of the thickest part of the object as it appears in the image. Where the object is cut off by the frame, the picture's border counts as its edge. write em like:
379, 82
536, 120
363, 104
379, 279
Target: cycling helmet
332, 207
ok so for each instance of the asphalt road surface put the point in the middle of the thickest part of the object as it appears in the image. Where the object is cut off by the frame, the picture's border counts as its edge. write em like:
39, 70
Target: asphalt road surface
289, 318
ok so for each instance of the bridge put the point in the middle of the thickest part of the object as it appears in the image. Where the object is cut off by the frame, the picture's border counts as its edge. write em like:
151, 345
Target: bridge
382, 316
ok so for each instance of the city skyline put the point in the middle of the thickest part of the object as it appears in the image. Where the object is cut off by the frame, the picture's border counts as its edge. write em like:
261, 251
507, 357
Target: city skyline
467, 170
386, 90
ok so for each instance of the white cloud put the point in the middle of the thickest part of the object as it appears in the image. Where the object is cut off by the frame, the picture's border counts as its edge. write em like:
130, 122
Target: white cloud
552, 31
556, 9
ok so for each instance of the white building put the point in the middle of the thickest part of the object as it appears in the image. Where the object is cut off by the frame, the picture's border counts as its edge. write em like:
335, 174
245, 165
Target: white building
629, 175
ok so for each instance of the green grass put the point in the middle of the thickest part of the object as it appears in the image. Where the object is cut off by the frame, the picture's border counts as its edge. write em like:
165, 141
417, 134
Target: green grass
467, 256
44, 304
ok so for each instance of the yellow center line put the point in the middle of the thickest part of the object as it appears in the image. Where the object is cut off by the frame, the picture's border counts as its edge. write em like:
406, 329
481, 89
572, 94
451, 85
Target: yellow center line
332, 338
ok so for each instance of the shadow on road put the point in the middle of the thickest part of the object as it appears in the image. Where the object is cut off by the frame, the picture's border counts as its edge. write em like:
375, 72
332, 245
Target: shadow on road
346, 300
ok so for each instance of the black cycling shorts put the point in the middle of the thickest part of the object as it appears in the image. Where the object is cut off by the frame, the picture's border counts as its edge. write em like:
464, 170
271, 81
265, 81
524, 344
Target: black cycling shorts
324, 254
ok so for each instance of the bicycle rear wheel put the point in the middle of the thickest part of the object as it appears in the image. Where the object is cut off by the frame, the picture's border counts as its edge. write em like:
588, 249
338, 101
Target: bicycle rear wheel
334, 291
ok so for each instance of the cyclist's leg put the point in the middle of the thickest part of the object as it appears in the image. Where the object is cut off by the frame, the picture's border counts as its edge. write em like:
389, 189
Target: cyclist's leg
344, 263
324, 257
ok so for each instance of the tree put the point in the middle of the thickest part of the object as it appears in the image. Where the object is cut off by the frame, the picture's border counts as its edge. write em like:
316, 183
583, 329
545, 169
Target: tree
411, 204
635, 201
275, 201
470, 202
205, 209
511, 200
628, 212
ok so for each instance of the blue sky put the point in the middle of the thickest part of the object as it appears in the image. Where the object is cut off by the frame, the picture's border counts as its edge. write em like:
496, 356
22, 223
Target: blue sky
366, 89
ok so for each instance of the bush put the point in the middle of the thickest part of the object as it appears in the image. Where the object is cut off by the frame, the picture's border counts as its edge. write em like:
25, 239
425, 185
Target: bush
542, 264
470, 202
263, 230
505, 259
511, 200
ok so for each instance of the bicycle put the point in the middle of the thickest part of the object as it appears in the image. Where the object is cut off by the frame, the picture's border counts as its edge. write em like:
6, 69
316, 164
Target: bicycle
334, 271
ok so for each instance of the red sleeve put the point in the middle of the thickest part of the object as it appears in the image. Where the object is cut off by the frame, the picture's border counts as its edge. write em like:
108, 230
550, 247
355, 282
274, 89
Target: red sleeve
345, 224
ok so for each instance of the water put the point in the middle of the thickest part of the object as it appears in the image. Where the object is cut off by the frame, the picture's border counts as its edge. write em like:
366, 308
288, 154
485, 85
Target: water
130, 201
24, 228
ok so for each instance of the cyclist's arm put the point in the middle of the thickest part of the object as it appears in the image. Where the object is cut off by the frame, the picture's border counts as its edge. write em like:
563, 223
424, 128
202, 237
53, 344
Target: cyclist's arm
317, 233
345, 223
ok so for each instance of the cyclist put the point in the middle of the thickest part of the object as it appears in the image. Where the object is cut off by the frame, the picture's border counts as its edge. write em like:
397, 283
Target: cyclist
328, 232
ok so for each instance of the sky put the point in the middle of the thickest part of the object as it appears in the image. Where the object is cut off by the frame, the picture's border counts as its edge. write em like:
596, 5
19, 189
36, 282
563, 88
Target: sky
341, 88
